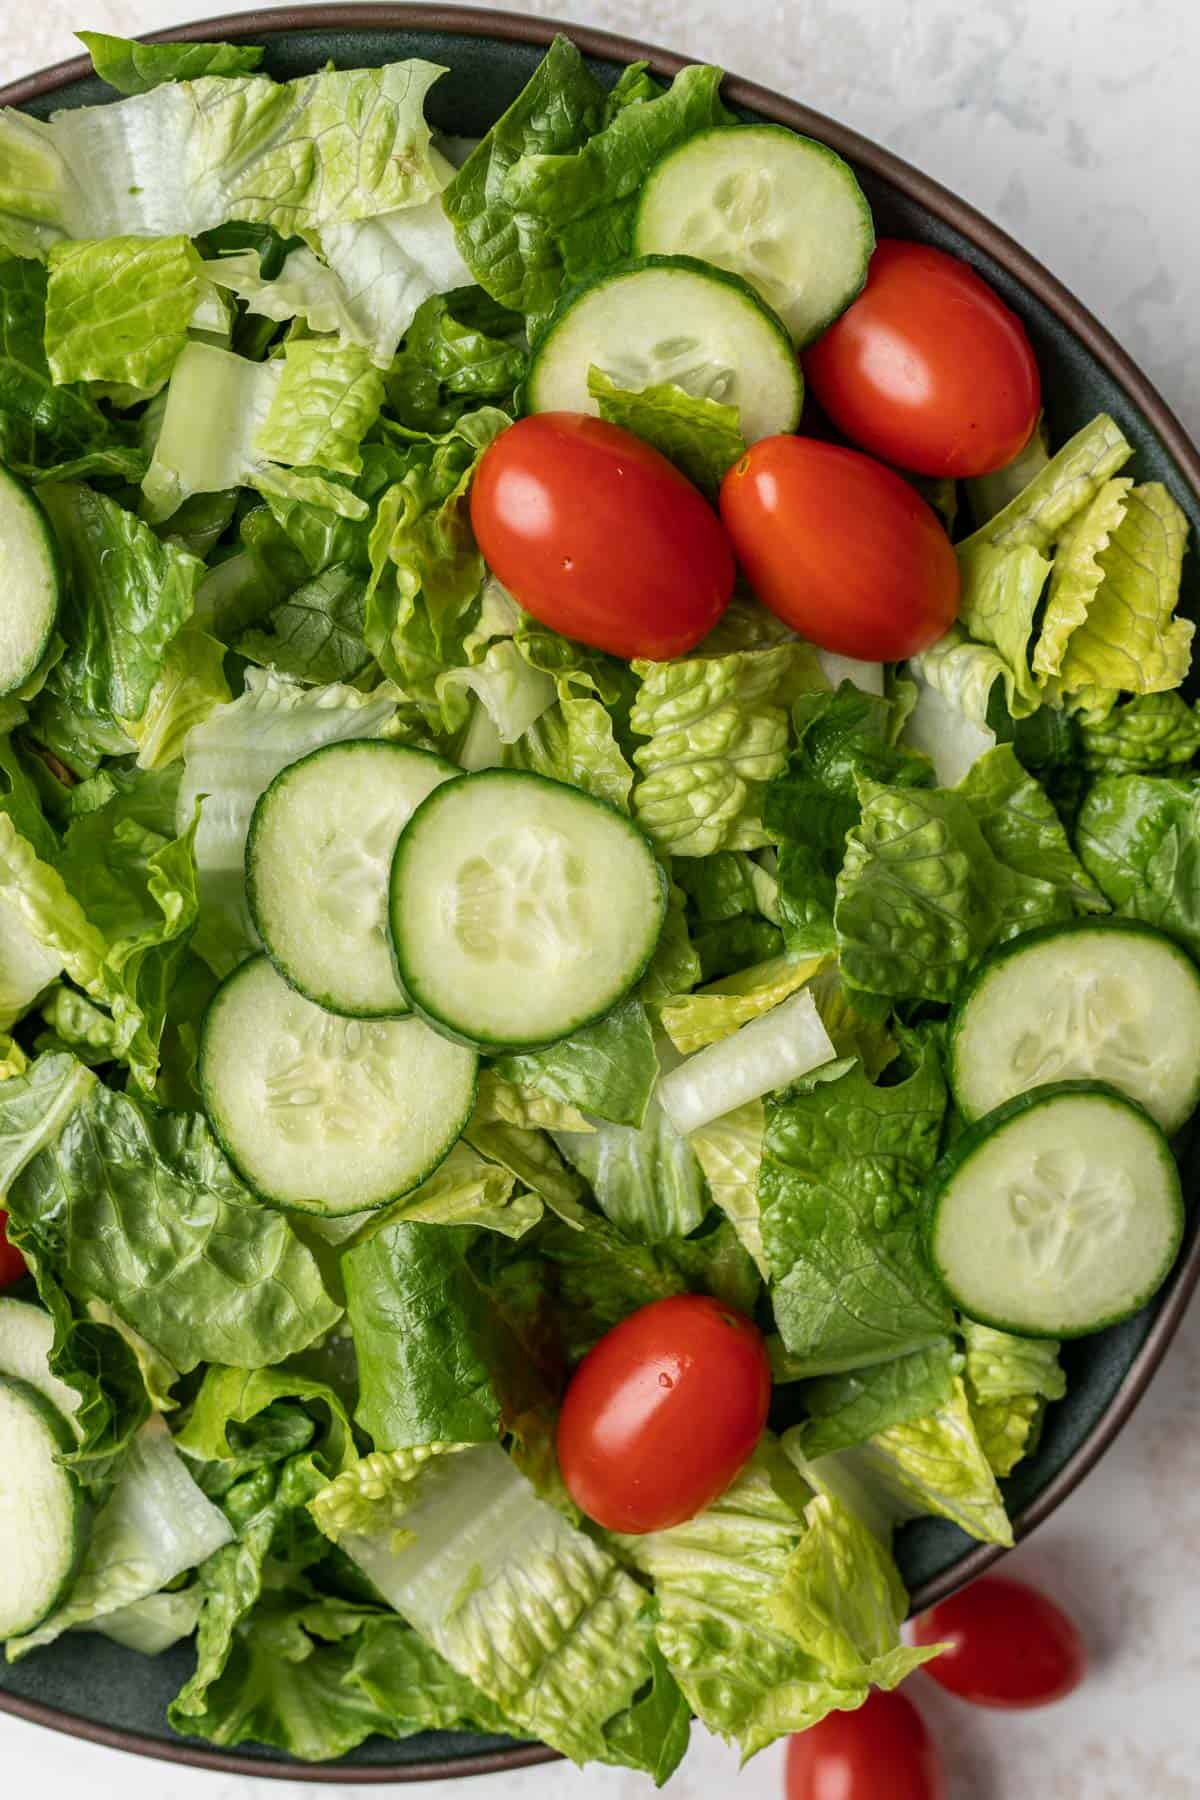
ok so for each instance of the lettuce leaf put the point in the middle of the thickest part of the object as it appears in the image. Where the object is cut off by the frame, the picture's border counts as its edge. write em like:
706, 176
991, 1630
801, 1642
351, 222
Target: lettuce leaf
609, 1069
847, 1409
933, 880
1151, 734
1129, 637
1076, 576
156, 1525
189, 684
647, 1181
699, 435
843, 1171
437, 1362
729, 1150
955, 679
142, 1211
1139, 839
340, 145
41, 425
532, 1612
1058, 490
118, 309
387, 267
1008, 1381
327, 399
934, 1464
460, 349
127, 595
718, 731
136, 68
693, 1020
772, 1051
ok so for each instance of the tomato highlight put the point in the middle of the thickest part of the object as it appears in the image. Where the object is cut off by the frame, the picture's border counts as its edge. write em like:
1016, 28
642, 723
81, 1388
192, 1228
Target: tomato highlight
928, 368
842, 548
598, 536
1010, 1646
663, 1413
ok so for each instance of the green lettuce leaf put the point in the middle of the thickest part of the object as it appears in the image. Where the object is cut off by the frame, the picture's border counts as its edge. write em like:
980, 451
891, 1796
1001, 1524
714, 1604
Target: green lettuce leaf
461, 349
41, 425
1057, 491
413, 1687
531, 1159
1151, 734
935, 1464
142, 1211
189, 684
609, 1069
1008, 1381
470, 1189
647, 1181
933, 880
340, 145
955, 680
693, 1020
508, 1103
136, 68
154, 1624
1139, 839
1076, 576
231, 758
699, 435
844, 1410
388, 266
226, 417
718, 731
423, 600
327, 399
436, 1360
843, 1171
1129, 636
513, 1597
127, 594
156, 1525
119, 309
989, 494
729, 1150
315, 635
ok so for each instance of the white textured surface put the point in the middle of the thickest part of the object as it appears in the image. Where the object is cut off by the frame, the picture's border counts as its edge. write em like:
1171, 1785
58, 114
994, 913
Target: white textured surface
1075, 123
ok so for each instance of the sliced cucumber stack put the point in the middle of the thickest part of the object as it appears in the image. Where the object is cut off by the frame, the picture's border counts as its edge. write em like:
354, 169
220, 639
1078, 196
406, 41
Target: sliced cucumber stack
318, 857
1109, 1000
321, 1113
780, 210
1057, 1214
30, 580
670, 318
43, 1515
521, 909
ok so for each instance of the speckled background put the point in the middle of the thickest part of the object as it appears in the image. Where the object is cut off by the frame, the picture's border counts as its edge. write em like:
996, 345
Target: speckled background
1075, 124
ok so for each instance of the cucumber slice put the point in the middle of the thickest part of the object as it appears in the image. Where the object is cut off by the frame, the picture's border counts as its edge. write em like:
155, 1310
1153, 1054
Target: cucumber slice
43, 1517
30, 580
26, 1340
521, 909
670, 318
318, 857
782, 211
1057, 1214
1107, 1000
325, 1114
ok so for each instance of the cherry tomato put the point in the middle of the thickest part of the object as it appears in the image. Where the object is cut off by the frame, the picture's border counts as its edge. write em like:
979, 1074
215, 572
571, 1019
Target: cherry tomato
928, 368
12, 1263
1009, 1645
600, 537
663, 1412
842, 548
880, 1752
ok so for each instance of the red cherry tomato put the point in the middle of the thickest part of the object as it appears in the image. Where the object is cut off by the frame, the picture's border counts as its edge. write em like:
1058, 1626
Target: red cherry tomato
600, 537
1009, 1645
663, 1412
928, 368
842, 548
880, 1752
12, 1263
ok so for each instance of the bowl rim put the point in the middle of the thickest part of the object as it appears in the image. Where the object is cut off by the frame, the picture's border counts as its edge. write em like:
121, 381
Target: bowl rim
993, 241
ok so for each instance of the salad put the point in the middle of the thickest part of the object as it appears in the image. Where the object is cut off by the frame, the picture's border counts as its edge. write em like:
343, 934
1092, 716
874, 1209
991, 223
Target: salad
595, 961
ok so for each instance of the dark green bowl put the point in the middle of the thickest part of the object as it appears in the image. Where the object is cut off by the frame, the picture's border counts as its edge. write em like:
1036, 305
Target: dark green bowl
93, 1689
